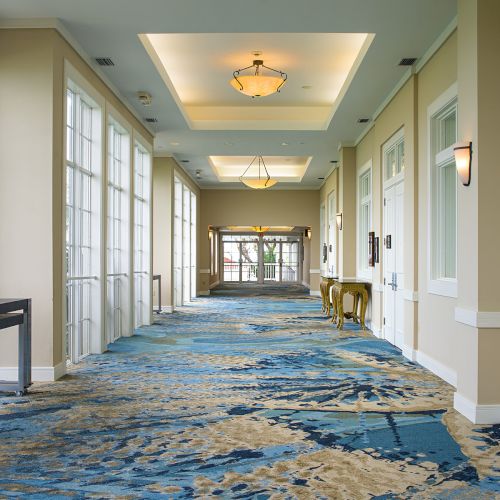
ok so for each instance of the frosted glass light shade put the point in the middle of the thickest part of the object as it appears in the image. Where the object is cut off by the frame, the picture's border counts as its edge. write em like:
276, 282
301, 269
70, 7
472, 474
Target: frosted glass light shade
259, 183
463, 160
257, 85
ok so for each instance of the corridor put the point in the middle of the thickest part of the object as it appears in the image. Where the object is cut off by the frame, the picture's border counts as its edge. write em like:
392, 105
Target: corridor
245, 397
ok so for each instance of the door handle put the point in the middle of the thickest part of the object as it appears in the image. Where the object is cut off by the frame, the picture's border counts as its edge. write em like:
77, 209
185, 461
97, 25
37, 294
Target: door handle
394, 283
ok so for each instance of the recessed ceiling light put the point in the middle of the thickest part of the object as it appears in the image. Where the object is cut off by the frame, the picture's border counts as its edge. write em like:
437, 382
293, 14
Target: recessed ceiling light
284, 143
174, 143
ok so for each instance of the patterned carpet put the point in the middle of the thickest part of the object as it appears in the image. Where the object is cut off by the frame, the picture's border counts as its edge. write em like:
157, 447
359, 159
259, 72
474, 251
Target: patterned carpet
245, 397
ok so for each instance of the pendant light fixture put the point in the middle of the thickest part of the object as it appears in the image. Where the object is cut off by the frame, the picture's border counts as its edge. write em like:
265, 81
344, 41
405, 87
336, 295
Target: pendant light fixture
257, 84
262, 182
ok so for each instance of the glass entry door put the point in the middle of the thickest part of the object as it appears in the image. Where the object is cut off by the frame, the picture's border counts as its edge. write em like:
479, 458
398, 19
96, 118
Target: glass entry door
255, 258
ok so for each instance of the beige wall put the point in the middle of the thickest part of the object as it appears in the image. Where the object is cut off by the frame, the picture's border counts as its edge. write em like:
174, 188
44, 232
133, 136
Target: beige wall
266, 208
32, 183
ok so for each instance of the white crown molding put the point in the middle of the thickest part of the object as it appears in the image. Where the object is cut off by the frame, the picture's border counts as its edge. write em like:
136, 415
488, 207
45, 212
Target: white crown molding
411, 295
438, 43
38, 373
477, 319
56, 24
442, 371
409, 353
477, 414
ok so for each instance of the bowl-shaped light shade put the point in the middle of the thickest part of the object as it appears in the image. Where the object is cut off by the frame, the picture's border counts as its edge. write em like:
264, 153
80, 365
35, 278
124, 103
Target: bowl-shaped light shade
259, 183
463, 160
257, 85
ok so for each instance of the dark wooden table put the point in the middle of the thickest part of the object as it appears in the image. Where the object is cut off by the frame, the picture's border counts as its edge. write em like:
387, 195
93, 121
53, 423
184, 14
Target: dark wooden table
11, 315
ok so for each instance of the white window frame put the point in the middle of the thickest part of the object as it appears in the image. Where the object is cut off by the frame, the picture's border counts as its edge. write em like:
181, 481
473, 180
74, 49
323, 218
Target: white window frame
118, 308
142, 246
447, 287
95, 343
363, 269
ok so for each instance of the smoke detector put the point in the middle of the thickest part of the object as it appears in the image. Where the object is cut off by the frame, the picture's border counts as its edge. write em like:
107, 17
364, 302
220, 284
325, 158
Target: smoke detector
144, 98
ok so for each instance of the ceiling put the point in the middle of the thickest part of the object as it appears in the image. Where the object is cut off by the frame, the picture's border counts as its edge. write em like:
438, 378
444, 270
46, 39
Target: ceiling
201, 42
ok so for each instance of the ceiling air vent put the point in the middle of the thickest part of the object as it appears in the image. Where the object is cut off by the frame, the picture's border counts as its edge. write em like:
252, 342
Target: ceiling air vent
151, 120
104, 61
407, 61
363, 120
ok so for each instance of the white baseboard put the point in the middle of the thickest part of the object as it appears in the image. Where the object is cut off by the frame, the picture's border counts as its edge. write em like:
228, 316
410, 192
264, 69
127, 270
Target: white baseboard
204, 292
167, 309
38, 373
376, 331
410, 295
213, 285
409, 353
307, 285
477, 414
442, 371
315, 293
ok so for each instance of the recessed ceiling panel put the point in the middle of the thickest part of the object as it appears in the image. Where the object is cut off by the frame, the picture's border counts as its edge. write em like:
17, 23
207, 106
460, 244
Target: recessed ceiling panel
197, 69
281, 168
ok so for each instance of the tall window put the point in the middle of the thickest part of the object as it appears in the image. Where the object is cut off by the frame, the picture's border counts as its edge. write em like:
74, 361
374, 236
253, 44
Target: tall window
443, 196
83, 153
364, 221
184, 243
118, 233
142, 234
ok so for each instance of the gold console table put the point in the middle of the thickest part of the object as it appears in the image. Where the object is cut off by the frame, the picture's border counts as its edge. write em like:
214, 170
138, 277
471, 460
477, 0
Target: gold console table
340, 286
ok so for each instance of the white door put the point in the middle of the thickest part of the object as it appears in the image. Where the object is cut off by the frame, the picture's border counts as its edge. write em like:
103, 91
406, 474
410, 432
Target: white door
393, 264
332, 233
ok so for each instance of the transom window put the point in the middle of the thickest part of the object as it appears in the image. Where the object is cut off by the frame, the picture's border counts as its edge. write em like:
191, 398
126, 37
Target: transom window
443, 196
395, 158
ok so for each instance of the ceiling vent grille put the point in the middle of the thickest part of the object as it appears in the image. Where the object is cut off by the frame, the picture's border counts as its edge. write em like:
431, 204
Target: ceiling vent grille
104, 61
407, 61
363, 120
151, 120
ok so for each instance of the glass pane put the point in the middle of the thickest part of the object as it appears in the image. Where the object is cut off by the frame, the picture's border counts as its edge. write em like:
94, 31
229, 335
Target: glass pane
449, 211
401, 157
390, 163
449, 130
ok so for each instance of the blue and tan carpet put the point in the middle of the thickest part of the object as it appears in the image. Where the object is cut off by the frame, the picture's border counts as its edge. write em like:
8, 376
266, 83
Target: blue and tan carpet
245, 397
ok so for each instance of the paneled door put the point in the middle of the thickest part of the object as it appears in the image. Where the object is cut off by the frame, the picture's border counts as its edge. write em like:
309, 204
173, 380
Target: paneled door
393, 264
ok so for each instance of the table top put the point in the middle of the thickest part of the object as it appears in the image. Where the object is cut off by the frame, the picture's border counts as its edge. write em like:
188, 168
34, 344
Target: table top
343, 281
9, 305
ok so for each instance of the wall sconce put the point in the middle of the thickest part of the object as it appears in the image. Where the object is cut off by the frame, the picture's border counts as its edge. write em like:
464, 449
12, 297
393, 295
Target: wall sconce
339, 221
463, 161
307, 232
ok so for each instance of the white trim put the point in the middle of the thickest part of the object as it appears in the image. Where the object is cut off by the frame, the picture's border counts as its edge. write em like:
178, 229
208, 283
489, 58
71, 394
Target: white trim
409, 353
440, 286
445, 288
167, 309
307, 285
410, 295
315, 293
204, 271
376, 331
377, 287
314, 271
56, 24
438, 43
204, 293
477, 319
363, 272
214, 284
477, 414
442, 371
38, 373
